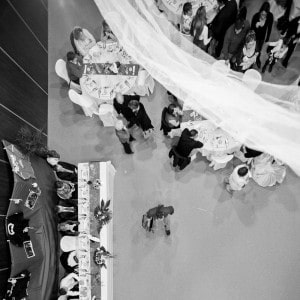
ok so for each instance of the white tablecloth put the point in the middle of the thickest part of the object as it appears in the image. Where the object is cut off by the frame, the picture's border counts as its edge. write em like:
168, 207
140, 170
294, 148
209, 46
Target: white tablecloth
103, 88
88, 199
215, 140
173, 8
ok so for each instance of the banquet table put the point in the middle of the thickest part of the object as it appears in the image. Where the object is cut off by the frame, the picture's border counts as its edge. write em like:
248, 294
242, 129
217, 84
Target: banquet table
215, 141
173, 9
101, 79
93, 280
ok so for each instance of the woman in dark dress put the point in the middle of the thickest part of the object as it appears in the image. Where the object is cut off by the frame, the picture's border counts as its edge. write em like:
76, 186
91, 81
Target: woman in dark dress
262, 23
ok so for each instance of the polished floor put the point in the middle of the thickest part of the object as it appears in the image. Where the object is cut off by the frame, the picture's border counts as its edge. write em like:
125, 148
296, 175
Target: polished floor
221, 248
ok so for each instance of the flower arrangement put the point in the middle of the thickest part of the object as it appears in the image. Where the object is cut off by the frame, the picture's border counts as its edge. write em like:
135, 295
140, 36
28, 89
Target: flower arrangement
102, 213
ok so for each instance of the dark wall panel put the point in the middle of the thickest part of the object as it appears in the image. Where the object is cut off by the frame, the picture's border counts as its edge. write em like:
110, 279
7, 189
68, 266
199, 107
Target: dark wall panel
5, 255
10, 127
37, 21
17, 40
3, 279
6, 186
21, 95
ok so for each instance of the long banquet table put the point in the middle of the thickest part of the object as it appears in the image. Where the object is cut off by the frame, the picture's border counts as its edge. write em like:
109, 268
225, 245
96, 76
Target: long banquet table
94, 282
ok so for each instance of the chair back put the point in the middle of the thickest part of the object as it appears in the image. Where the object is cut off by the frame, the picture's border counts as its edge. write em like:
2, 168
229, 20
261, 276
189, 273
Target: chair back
164, 125
220, 66
87, 104
61, 70
73, 43
252, 79
69, 243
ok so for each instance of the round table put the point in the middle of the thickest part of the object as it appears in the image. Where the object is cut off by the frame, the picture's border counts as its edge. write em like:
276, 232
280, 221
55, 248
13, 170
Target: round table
103, 88
215, 141
173, 9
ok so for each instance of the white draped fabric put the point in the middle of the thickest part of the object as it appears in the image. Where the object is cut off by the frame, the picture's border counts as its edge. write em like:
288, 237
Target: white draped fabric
187, 72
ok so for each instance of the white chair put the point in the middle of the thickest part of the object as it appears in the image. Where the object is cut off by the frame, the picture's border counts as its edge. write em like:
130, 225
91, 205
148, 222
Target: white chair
61, 71
220, 162
107, 114
69, 243
87, 104
252, 79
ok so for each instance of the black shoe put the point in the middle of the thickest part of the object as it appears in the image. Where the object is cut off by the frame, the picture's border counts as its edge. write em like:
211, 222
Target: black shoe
131, 138
264, 69
127, 148
168, 232
270, 69
284, 64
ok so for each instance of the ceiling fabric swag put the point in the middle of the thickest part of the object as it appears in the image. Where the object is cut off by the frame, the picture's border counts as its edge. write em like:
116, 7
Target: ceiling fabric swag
267, 119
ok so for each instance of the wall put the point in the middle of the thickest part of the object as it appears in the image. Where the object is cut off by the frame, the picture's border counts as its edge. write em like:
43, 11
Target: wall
23, 89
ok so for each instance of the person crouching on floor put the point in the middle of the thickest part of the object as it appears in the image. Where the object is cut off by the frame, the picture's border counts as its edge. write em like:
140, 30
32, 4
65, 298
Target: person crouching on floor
124, 136
158, 213
238, 178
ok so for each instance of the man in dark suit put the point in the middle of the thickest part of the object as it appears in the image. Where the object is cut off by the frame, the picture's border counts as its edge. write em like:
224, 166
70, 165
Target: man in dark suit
293, 35
140, 118
121, 105
74, 67
188, 142
223, 20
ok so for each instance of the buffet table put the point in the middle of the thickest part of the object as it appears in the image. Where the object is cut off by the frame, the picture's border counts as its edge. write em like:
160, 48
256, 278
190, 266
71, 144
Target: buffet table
95, 183
173, 9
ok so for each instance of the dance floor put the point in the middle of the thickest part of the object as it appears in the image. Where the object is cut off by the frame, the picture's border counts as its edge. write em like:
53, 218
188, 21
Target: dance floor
221, 248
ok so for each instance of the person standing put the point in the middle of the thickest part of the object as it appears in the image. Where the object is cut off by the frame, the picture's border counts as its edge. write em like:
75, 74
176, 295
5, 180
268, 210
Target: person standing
223, 20
124, 136
159, 212
293, 37
262, 23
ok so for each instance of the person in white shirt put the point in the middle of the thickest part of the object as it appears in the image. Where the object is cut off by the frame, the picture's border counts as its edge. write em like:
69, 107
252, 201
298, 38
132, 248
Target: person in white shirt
199, 29
69, 285
238, 178
83, 40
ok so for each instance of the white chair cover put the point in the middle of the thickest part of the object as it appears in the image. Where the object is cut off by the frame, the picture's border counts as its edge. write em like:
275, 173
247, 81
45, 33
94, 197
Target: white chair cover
61, 70
107, 115
220, 65
141, 79
69, 243
220, 162
87, 104
252, 79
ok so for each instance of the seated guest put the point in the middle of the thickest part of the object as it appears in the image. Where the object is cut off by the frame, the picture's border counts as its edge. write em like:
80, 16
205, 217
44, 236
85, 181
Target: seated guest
140, 118
65, 189
238, 179
69, 285
188, 142
108, 35
83, 40
69, 261
67, 210
234, 39
121, 105
64, 170
246, 57
173, 116
74, 66
68, 227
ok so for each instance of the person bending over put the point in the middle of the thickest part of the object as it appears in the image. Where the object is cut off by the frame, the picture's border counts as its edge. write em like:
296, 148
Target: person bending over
238, 178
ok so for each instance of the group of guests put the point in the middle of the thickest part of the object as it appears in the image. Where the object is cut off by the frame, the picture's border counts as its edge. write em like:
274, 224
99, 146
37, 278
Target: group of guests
232, 38
67, 211
82, 41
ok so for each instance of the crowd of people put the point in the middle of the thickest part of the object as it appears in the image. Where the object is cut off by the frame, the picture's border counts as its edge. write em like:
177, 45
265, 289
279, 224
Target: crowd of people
232, 38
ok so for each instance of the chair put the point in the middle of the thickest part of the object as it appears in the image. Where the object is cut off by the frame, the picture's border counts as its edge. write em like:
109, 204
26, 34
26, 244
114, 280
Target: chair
73, 43
179, 160
61, 71
87, 104
220, 162
164, 125
107, 114
252, 79
69, 243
